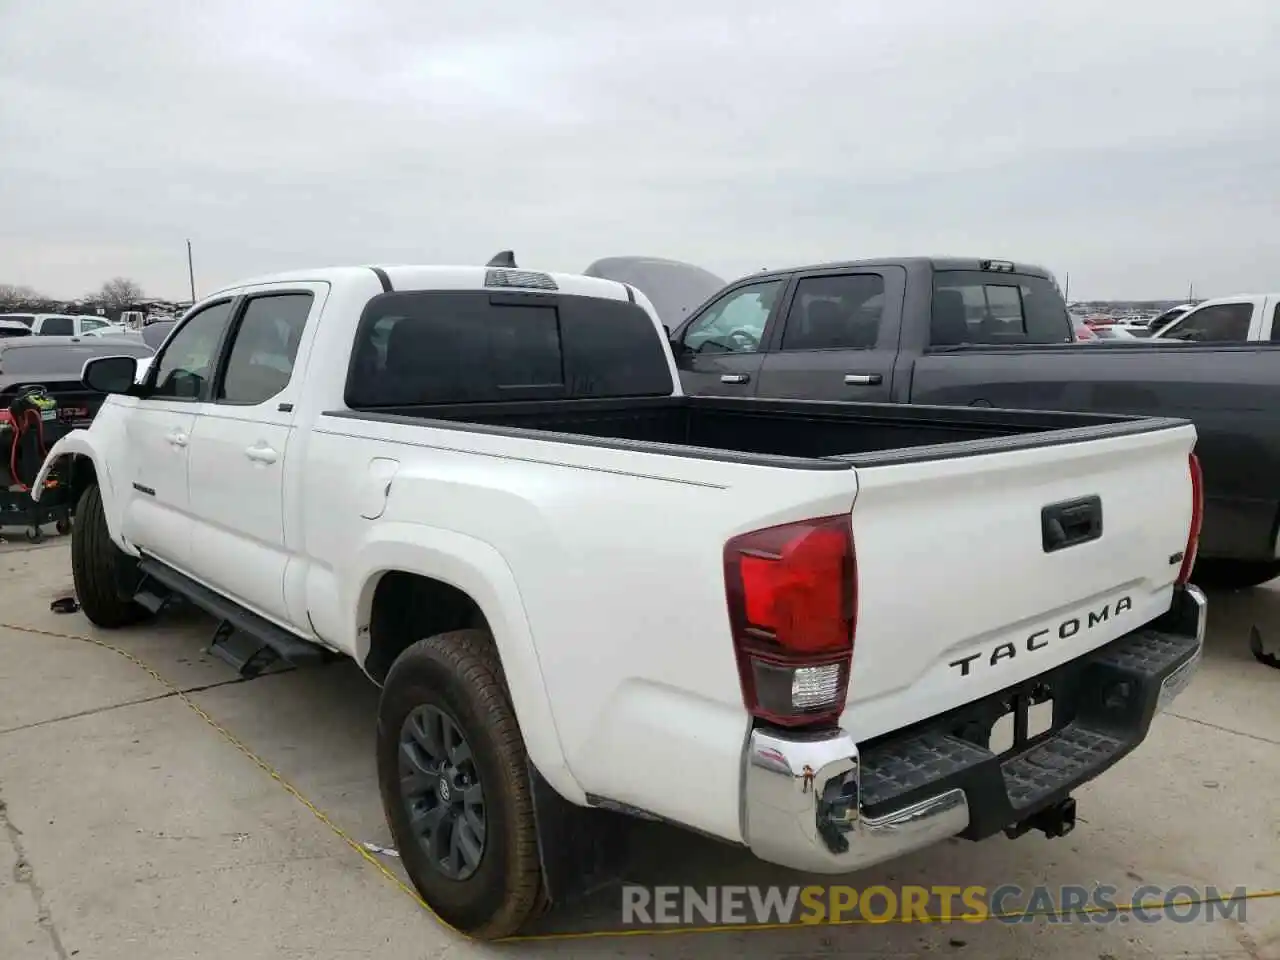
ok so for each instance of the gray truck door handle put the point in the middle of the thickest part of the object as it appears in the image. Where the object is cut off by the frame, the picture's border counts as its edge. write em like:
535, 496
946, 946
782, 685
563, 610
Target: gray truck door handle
862, 379
735, 378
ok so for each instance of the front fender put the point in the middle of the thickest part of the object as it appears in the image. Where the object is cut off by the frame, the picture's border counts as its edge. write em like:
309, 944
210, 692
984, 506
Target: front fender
81, 443
478, 570
72, 443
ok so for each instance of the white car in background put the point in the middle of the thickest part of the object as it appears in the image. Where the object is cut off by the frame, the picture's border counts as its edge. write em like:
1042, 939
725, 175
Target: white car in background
67, 325
1116, 332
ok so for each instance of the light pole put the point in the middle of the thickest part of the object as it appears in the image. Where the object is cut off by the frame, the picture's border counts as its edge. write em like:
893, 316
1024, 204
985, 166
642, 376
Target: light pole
191, 273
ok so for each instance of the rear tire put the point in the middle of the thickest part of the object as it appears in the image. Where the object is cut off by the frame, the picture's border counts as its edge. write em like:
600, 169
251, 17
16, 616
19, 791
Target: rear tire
1234, 574
104, 575
456, 678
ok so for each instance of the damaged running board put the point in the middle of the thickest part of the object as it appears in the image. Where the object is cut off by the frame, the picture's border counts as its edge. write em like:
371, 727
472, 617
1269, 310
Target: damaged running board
247, 642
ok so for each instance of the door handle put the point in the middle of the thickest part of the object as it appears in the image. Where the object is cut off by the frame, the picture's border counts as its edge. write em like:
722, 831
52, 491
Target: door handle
862, 379
177, 438
735, 378
261, 454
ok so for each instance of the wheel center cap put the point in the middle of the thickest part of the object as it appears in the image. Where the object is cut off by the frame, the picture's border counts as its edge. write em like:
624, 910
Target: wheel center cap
443, 790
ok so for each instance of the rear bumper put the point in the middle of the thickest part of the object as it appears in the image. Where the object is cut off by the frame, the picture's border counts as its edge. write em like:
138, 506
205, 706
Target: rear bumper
819, 803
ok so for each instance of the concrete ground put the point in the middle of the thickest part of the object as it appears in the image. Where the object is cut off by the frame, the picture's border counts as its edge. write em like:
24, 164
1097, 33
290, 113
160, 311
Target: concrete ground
131, 827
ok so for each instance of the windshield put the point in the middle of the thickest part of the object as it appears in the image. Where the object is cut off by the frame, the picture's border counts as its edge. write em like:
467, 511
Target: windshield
26, 319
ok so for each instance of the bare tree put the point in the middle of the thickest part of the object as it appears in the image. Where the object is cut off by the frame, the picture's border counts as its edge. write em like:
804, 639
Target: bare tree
12, 295
118, 293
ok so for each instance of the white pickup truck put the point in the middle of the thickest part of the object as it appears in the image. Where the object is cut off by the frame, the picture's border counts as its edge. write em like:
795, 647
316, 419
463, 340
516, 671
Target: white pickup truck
584, 594
1243, 318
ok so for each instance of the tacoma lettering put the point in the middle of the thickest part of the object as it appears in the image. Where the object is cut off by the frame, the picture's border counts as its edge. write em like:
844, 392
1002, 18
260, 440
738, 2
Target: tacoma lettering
1041, 638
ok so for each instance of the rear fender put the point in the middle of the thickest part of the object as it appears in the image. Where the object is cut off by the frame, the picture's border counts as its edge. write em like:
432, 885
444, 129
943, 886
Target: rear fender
478, 570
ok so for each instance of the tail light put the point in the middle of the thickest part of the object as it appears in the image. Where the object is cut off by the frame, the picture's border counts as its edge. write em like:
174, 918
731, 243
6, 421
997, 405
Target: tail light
1197, 519
793, 601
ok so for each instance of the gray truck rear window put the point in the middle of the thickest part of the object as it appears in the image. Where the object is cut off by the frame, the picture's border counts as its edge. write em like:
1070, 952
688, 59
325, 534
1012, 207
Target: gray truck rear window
476, 346
980, 307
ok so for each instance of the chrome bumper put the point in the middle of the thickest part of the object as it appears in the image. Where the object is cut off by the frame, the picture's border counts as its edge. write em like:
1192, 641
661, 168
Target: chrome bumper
1180, 679
802, 808
802, 796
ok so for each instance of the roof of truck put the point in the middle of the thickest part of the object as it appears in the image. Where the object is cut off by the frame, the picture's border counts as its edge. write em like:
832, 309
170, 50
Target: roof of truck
1232, 296
445, 277
933, 263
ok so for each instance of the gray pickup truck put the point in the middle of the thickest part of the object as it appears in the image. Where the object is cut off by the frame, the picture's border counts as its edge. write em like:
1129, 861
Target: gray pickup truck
993, 333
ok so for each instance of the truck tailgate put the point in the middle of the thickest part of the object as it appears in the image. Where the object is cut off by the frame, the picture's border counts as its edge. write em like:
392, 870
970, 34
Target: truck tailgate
964, 588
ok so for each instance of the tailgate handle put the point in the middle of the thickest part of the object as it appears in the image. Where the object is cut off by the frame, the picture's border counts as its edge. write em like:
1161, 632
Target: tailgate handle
1071, 522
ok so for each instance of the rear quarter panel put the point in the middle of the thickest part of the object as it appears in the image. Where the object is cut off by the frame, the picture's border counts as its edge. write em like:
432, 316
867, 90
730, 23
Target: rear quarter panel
616, 557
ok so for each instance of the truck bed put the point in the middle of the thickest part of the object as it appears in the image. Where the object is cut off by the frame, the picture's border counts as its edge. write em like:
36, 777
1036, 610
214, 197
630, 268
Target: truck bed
963, 498
798, 433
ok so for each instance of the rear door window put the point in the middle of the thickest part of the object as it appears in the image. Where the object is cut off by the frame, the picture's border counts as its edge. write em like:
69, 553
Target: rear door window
57, 326
476, 346
980, 307
265, 346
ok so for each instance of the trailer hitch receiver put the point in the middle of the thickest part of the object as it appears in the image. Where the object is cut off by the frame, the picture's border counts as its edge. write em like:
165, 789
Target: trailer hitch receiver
1056, 820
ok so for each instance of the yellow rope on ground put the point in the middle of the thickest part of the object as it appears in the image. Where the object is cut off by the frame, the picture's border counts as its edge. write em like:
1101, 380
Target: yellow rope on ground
652, 931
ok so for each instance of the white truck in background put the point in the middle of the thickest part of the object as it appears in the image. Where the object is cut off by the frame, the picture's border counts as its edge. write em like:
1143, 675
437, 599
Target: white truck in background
789, 625
1242, 318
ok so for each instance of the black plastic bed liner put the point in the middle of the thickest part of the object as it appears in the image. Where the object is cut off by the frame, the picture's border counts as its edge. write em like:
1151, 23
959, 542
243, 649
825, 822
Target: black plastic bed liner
796, 433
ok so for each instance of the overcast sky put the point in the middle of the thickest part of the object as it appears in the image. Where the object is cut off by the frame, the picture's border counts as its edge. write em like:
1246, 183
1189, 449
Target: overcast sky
1133, 145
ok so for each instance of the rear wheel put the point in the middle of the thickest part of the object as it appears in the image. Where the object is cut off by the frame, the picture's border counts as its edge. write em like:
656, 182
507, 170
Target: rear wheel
104, 575
455, 785
1234, 574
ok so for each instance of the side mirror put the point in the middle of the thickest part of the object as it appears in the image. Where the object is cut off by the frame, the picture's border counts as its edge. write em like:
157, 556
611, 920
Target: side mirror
110, 374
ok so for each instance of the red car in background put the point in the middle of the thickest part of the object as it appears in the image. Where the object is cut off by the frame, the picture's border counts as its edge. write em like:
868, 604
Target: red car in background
1084, 332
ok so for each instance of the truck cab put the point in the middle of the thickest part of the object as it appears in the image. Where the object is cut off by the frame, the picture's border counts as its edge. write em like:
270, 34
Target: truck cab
1242, 318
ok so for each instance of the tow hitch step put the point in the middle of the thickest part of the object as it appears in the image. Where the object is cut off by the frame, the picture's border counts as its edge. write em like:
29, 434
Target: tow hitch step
247, 642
